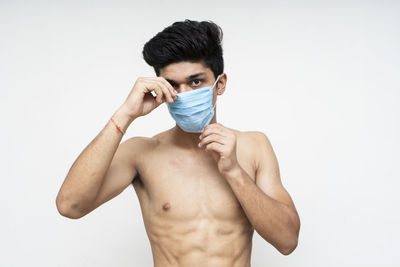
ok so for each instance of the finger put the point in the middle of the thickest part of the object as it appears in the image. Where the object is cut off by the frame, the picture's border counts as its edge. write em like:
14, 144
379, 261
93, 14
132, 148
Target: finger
155, 102
159, 94
166, 92
212, 138
212, 128
169, 86
216, 125
165, 84
214, 147
219, 128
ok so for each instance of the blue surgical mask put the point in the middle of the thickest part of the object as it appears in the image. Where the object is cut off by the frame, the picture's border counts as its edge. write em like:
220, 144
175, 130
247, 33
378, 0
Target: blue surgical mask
193, 110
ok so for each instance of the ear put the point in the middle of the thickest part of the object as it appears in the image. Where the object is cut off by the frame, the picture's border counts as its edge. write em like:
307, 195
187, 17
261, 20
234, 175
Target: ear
221, 84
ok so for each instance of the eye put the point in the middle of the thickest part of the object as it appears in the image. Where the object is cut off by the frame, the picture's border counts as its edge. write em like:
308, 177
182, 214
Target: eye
196, 82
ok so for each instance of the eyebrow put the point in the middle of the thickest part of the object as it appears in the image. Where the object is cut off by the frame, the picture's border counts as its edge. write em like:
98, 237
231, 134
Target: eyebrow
190, 77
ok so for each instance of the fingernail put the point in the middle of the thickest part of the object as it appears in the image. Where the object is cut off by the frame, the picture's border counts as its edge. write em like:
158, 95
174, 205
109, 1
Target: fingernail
198, 145
175, 92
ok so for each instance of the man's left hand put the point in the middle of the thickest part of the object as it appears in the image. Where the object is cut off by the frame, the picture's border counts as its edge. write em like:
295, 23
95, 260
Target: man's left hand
221, 143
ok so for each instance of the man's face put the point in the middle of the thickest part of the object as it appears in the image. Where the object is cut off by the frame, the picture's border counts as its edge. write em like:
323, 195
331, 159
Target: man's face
187, 76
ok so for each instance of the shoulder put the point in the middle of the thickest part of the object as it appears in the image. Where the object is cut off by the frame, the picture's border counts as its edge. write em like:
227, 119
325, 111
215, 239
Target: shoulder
143, 144
137, 150
137, 146
256, 145
260, 142
137, 142
255, 139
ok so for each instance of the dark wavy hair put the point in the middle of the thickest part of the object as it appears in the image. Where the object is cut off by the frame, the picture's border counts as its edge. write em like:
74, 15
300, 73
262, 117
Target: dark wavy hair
193, 41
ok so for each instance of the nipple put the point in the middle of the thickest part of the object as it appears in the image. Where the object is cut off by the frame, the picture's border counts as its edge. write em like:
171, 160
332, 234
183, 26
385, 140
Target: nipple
166, 206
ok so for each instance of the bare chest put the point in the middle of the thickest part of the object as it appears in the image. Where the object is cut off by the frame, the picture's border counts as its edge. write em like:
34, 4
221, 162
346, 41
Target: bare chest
186, 186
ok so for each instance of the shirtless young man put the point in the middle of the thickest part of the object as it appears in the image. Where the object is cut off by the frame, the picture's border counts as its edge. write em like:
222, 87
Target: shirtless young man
202, 194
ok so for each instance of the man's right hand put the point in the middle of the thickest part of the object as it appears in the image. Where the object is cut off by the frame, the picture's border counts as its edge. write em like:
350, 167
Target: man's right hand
141, 102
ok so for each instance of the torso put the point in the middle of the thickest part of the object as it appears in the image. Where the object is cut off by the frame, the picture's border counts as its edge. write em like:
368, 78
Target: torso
191, 216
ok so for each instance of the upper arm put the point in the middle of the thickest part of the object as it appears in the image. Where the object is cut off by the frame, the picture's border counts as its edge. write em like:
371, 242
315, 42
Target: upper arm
267, 171
269, 181
120, 174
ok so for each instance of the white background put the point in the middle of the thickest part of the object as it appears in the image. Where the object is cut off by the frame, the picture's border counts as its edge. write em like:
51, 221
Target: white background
319, 78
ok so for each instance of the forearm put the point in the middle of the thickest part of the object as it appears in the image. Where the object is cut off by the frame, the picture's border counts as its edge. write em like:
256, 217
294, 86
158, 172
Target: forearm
87, 173
273, 220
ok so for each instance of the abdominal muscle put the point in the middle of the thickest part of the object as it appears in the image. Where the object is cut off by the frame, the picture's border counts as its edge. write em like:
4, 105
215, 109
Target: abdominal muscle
190, 213
200, 241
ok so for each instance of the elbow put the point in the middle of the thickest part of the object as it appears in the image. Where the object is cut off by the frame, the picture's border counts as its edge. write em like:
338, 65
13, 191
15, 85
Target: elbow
292, 239
290, 247
68, 210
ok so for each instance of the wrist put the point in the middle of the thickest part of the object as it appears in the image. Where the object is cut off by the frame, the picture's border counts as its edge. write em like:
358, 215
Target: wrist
122, 118
232, 172
126, 112
130, 111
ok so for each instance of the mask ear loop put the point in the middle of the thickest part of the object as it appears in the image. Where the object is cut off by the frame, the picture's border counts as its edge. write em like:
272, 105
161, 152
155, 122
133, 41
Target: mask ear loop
213, 87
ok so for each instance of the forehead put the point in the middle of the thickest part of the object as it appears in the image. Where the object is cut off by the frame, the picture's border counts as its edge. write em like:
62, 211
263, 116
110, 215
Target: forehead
181, 70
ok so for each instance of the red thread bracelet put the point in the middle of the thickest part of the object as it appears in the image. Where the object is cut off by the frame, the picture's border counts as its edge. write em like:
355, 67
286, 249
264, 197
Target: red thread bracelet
118, 128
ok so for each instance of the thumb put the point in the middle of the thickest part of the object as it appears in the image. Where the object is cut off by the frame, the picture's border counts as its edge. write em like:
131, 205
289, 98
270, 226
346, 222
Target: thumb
156, 104
214, 154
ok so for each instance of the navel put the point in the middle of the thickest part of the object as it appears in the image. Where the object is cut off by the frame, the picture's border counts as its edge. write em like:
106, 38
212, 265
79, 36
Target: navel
166, 206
